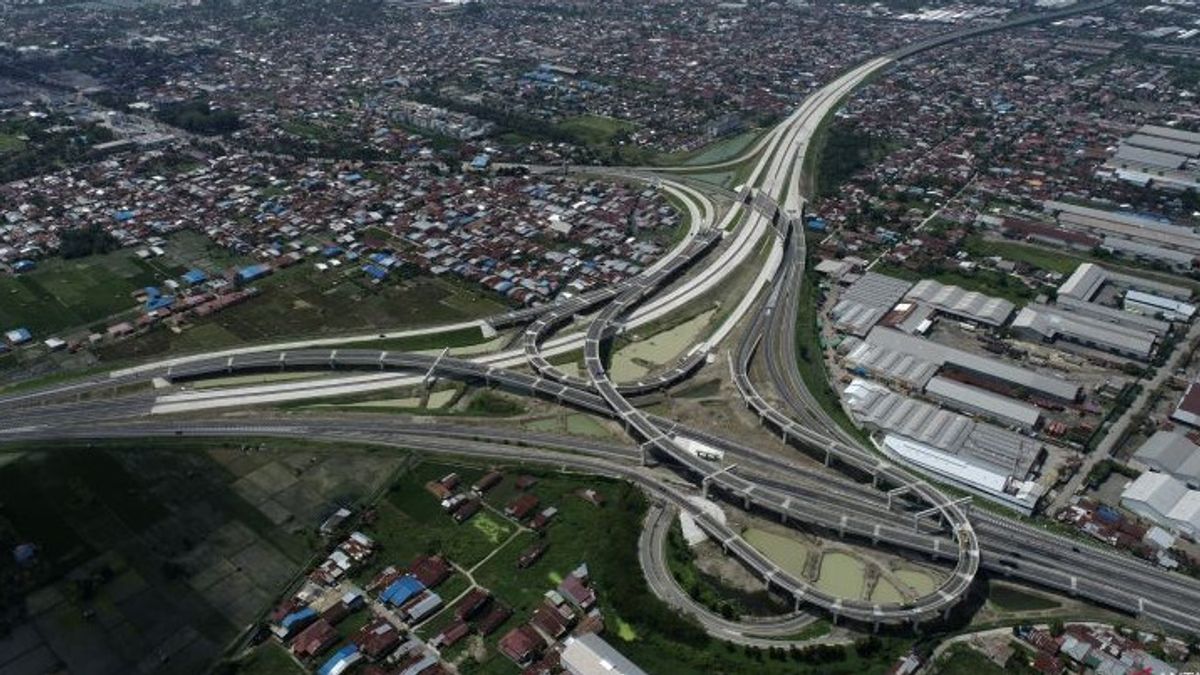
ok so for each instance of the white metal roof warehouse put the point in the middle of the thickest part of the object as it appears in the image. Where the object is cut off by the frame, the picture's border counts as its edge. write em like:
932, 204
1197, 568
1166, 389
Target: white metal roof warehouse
978, 443
1172, 453
1164, 500
985, 366
1148, 303
962, 303
589, 654
1086, 280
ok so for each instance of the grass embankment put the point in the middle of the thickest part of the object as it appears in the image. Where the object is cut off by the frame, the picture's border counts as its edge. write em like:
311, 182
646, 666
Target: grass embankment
810, 356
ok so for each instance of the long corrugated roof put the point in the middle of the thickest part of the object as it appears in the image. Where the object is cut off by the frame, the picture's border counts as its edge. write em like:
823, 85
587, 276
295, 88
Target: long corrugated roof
978, 443
1052, 324
961, 302
1002, 370
976, 399
1171, 452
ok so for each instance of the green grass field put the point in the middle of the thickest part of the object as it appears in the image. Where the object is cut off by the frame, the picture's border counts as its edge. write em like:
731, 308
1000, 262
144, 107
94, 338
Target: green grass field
962, 660
296, 303
10, 143
62, 294
594, 130
1052, 261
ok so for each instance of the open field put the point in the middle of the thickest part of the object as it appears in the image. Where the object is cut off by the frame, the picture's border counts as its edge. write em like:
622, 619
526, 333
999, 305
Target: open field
157, 553
594, 130
62, 294
295, 303
10, 143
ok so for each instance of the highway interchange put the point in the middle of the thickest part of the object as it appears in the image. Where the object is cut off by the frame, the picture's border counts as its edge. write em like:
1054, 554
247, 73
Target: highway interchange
874, 502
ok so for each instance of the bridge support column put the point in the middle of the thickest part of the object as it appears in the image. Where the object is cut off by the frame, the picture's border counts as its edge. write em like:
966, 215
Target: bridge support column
834, 619
746, 502
875, 627
827, 458
946, 612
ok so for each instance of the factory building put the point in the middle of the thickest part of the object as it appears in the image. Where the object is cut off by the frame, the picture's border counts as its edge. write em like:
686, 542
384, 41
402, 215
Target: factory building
896, 368
590, 654
1124, 225
1047, 324
983, 403
961, 304
866, 301
1172, 453
1164, 500
1112, 315
974, 455
1157, 157
1156, 305
979, 370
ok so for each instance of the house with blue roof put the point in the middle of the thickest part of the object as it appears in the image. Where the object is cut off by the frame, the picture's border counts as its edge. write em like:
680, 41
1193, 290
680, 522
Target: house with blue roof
123, 216
402, 590
18, 336
253, 272
24, 266
341, 661
294, 623
195, 276
160, 303
375, 272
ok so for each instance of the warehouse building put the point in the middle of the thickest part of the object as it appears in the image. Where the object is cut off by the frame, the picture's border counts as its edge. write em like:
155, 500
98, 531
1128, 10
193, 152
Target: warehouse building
1178, 261
983, 403
1172, 453
1113, 315
589, 654
887, 365
866, 301
961, 303
980, 370
976, 456
1085, 283
1164, 500
1047, 324
1124, 225
1157, 156
1156, 305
